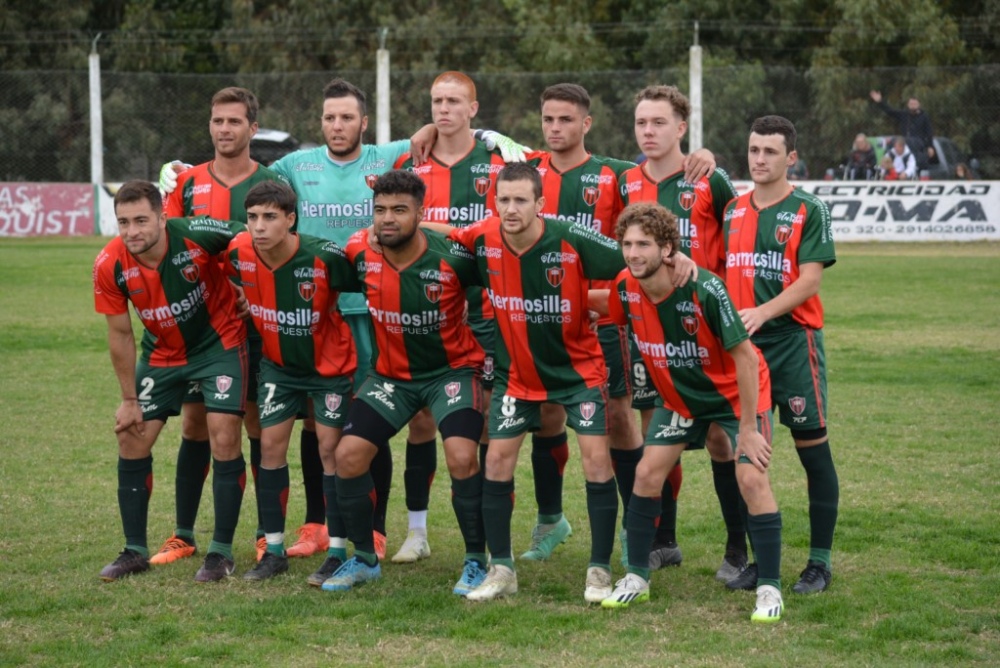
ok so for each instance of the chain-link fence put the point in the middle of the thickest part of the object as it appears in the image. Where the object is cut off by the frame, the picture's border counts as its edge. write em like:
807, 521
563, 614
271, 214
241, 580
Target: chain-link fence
151, 118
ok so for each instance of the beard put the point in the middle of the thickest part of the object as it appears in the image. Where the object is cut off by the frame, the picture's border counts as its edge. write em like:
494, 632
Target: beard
347, 151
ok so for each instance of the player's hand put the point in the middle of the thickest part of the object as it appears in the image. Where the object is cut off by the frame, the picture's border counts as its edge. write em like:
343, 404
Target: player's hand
242, 304
373, 241
753, 319
699, 165
594, 317
421, 144
129, 417
684, 269
876, 96
510, 150
754, 447
168, 175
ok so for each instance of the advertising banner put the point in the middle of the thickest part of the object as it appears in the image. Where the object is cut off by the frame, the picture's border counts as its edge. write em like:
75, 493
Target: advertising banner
35, 209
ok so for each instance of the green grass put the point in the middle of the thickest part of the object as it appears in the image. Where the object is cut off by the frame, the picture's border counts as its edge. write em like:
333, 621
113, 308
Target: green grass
913, 345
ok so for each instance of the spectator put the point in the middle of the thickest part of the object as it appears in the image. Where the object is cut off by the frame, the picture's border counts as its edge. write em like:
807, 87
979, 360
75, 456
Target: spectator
914, 124
902, 159
861, 162
886, 171
962, 172
798, 171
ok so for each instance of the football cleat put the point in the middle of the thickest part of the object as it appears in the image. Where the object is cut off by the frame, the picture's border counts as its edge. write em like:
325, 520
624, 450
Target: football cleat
175, 548
630, 589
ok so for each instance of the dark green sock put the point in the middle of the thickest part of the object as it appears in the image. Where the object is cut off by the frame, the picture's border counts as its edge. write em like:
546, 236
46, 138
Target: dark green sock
728, 492
381, 472
193, 460
498, 508
312, 477
766, 532
643, 512
421, 465
824, 499
467, 500
135, 486
272, 504
254, 468
666, 530
624, 462
356, 499
549, 455
334, 522
602, 507
228, 481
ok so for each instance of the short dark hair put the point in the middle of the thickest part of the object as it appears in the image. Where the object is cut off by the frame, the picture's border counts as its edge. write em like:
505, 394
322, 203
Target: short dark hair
568, 92
776, 125
341, 88
236, 94
654, 220
272, 192
137, 190
672, 94
522, 171
400, 182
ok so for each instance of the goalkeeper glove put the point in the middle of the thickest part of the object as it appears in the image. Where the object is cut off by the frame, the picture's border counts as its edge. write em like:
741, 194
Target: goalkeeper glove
510, 150
168, 175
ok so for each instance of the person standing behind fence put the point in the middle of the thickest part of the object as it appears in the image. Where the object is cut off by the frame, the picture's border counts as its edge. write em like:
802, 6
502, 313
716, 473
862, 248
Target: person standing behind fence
915, 126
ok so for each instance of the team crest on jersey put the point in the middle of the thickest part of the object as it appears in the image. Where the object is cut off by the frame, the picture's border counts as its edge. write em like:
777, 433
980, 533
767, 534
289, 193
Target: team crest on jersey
686, 200
591, 194
307, 290
370, 180
555, 276
482, 184
690, 324
782, 233
333, 402
223, 383
191, 273
797, 404
433, 292
452, 389
587, 409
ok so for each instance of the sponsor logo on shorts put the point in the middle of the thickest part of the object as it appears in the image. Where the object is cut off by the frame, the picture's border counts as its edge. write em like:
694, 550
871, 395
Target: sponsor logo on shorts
587, 409
482, 184
269, 408
510, 423
797, 404
555, 276
433, 292
382, 394
333, 401
307, 290
191, 273
223, 383
669, 431
453, 391
690, 324
686, 200
591, 195
782, 233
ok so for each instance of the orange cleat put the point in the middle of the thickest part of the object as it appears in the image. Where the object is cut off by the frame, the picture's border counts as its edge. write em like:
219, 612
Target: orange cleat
379, 544
261, 547
175, 548
313, 538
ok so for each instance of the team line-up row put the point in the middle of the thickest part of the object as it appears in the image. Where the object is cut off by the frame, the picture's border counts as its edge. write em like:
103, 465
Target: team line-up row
717, 296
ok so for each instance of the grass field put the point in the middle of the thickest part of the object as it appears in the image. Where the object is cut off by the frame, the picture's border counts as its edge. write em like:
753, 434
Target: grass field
913, 343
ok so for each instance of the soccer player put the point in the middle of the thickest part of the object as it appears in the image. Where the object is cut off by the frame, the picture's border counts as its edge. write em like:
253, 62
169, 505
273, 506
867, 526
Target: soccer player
707, 372
217, 189
581, 188
169, 270
661, 114
537, 273
778, 240
290, 282
460, 176
425, 355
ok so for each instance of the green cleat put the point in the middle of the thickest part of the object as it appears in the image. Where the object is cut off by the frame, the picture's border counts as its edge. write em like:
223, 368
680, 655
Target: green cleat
545, 538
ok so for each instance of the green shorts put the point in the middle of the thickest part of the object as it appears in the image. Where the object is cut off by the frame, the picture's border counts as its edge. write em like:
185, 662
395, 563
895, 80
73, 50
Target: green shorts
797, 363
399, 400
586, 412
219, 376
286, 393
613, 345
485, 332
669, 428
255, 349
644, 394
360, 326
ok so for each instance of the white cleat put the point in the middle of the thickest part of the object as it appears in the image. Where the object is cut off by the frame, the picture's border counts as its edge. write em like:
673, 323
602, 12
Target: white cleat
414, 548
598, 585
630, 589
769, 605
500, 581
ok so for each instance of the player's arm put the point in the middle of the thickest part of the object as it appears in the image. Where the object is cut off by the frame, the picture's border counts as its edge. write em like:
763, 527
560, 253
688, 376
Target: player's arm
421, 143
684, 267
698, 165
510, 150
169, 173
752, 443
121, 344
801, 289
597, 301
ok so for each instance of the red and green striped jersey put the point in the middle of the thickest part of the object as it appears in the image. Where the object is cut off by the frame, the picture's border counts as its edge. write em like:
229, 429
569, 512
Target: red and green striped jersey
186, 305
294, 306
684, 341
200, 193
417, 312
764, 249
459, 195
587, 194
546, 347
699, 207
